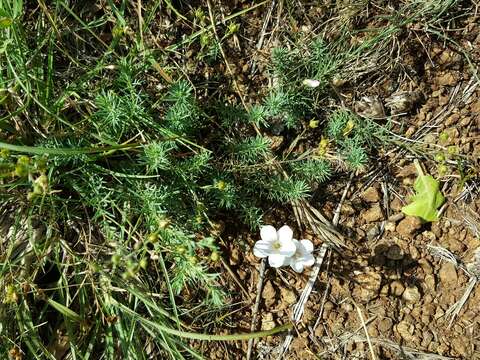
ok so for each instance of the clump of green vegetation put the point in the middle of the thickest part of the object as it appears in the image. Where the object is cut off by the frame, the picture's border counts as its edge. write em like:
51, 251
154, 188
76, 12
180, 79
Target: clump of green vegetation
115, 189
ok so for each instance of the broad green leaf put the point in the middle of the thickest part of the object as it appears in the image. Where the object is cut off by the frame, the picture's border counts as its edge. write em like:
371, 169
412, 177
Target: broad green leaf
427, 199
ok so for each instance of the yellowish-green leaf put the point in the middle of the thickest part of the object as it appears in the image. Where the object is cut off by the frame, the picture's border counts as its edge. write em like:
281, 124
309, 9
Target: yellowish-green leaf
427, 199
5, 22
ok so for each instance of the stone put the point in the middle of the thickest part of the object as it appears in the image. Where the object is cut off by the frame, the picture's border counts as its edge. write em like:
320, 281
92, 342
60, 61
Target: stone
372, 331
267, 321
409, 226
288, 296
438, 313
373, 232
384, 290
319, 331
308, 315
275, 141
414, 253
411, 294
373, 214
368, 286
408, 170
397, 288
448, 274
428, 308
371, 195
346, 306
394, 252
460, 346
269, 294
425, 265
385, 325
425, 319
390, 226
427, 338
430, 282
405, 330
242, 274
396, 204
447, 79
429, 235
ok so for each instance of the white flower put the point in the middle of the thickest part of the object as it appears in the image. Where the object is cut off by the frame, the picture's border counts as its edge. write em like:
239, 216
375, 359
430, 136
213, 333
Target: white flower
303, 255
278, 246
311, 83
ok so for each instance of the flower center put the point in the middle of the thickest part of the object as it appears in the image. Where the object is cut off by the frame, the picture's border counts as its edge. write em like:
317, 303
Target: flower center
276, 245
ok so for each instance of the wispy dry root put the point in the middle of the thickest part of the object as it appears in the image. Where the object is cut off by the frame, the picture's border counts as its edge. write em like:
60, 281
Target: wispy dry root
455, 309
404, 351
307, 215
472, 270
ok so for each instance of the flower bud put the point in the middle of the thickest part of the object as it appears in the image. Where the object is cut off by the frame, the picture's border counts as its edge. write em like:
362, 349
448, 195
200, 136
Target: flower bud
153, 238
440, 158
11, 296
311, 83
116, 258
221, 185
442, 169
181, 249
215, 256
164, 223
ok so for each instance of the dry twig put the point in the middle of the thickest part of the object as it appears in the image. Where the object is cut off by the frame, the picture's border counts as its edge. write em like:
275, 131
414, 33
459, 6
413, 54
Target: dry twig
257, 305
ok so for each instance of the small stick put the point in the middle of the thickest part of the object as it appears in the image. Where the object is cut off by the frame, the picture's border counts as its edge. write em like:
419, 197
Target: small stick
336, 216
366, 331
264, 26
140, 23
418, 167
257, 305
234, 277
324, 300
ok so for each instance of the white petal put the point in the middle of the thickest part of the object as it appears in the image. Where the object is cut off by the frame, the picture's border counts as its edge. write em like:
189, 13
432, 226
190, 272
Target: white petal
288, 248
268, 233
307, 245
262, 248
285, 233
308, 260
276, 260
297, 247
311, 83
297, 266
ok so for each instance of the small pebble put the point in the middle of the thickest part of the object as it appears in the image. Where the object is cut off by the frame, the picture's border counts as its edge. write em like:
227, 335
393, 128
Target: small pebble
396, 288
411, 294
409, 226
